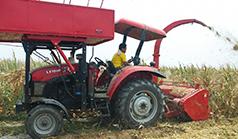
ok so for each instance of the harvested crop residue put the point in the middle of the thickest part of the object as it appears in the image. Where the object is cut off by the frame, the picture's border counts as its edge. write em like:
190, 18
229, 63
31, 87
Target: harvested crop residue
219, 128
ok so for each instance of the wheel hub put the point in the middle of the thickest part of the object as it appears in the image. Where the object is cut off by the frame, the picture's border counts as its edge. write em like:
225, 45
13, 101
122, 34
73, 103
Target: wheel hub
44, 124
142, 105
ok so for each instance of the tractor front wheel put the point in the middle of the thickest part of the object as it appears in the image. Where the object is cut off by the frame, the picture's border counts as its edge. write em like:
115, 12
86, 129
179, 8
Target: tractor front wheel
44, 121
138, 103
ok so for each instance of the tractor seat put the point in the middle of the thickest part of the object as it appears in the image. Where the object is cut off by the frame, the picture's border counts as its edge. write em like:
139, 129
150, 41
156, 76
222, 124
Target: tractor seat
111, 67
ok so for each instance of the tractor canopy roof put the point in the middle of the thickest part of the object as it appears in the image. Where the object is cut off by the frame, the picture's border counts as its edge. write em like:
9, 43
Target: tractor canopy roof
134, 30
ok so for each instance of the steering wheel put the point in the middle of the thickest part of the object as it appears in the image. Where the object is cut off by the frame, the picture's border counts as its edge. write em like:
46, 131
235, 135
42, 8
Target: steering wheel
100, 62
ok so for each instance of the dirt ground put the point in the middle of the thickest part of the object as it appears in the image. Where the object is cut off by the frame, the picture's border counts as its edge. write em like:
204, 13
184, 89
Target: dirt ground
212, 129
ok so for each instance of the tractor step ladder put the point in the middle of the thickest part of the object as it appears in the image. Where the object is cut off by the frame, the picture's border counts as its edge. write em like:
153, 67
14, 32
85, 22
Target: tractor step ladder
101, 102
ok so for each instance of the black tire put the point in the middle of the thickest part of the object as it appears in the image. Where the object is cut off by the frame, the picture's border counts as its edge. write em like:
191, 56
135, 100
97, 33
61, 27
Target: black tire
138, 102
44, 121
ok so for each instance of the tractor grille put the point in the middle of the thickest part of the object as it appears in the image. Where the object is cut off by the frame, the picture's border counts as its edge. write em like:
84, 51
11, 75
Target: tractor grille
38, 89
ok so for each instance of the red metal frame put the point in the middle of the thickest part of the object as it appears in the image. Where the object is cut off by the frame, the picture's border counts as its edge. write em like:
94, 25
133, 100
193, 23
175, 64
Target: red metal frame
67, 22
65, 58
47, 38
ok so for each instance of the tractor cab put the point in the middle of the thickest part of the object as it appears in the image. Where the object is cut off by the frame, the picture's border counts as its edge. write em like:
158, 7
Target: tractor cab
134, 30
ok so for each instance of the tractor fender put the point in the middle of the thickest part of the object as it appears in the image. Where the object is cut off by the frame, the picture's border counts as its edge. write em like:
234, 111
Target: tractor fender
52, 102
126, 72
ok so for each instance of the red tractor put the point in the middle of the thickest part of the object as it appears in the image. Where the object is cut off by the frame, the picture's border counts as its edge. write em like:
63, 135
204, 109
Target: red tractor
131, 95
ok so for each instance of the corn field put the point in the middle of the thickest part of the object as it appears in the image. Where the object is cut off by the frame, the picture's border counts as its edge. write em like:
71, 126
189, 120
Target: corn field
222, 84
11, 83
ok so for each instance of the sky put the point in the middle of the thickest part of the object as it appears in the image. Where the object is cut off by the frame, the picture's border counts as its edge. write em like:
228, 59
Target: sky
185, 45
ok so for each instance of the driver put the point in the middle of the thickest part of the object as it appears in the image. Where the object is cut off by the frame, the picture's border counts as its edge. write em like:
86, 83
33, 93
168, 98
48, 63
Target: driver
119, 58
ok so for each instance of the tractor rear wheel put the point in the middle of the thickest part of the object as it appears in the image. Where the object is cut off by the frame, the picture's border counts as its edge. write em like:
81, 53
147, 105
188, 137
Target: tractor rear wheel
138, 103
44, 121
